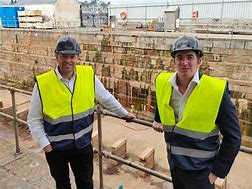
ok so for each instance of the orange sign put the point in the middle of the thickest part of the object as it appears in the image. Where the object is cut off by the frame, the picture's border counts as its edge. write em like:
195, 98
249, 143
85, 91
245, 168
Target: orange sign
195, 14
123, 15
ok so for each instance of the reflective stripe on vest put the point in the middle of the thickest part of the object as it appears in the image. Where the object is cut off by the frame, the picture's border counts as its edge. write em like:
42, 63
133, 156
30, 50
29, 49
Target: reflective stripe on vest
192, 152
71, 136
68, 117
189, 133
194, 139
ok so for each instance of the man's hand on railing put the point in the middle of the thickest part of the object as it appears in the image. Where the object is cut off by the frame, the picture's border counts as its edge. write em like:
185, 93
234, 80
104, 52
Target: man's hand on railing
129, 117
157, 127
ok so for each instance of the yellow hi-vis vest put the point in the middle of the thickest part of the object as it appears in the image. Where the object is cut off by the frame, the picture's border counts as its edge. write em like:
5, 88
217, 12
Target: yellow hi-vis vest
68, 116
192, 142
201, 108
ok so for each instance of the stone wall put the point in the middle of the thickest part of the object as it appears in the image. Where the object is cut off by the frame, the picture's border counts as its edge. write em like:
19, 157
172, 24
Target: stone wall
127, 64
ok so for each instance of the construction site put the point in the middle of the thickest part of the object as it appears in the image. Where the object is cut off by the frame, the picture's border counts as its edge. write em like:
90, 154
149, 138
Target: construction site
127, 51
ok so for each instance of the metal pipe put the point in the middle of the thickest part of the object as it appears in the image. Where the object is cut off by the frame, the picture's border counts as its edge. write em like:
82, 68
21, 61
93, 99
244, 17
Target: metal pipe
149, 124
15, 89
246, 149
18, 150
135, 120
98, 111
136, 166
11, 117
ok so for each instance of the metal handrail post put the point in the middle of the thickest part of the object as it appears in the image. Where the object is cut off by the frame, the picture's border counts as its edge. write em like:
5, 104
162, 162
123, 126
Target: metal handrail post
12, 91
99, 112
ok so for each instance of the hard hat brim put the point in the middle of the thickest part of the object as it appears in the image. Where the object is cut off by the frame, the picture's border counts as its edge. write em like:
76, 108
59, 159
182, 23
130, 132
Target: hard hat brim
67, 52
198, 51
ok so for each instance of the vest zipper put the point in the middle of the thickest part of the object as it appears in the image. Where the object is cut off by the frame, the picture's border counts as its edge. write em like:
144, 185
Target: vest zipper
72, 109
71, 104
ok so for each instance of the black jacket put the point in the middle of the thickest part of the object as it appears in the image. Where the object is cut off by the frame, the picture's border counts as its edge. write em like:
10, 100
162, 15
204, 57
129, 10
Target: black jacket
228, 124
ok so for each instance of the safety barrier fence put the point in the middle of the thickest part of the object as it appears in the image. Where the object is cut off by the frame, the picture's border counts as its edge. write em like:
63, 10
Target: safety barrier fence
100, 151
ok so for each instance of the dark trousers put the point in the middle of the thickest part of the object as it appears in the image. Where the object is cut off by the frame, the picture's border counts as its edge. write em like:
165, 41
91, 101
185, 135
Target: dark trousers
81, 162
183, 179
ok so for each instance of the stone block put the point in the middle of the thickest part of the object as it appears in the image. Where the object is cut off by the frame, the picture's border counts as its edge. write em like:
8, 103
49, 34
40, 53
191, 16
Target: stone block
125, 39
237, 44
221, 183
119, 148
249, 96
248, 45
244, 128
224, 44
146, 159
217, 57
246, 141
206, 43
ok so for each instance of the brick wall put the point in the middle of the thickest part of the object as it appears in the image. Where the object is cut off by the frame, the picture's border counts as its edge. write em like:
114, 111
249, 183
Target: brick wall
127, 64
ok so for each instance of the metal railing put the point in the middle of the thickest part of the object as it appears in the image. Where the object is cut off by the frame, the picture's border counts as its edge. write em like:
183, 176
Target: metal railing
100, 151
14, 111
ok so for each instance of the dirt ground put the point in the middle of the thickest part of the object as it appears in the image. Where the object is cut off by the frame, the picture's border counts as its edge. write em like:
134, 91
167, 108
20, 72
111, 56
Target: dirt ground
138, 138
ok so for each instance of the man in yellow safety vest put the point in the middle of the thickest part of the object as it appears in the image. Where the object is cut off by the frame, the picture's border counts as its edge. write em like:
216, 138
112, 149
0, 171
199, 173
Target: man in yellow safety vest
192, 108
61, 115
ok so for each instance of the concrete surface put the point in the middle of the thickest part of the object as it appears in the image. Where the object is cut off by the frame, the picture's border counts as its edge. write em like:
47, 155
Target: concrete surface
22, 171
30, 171
27, 170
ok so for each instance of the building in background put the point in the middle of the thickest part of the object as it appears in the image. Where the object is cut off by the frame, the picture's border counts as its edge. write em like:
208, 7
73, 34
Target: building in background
49, 13
94, 13
204, 13
7, 2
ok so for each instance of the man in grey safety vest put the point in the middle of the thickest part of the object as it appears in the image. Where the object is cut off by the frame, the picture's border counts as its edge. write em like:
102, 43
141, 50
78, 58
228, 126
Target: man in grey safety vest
192, 109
